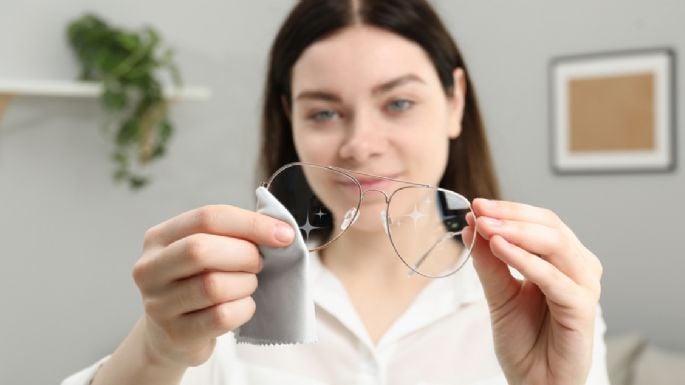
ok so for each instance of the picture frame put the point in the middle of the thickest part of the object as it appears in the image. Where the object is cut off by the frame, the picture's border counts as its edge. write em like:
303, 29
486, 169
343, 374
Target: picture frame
613, 112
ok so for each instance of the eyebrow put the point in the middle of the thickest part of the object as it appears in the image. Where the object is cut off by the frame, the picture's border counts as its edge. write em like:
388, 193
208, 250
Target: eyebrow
379, 89
389, 85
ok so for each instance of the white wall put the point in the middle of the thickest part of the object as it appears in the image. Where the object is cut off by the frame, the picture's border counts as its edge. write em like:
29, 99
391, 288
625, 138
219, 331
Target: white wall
68, 238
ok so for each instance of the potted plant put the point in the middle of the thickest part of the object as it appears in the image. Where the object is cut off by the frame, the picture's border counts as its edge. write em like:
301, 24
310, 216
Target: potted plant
128, 65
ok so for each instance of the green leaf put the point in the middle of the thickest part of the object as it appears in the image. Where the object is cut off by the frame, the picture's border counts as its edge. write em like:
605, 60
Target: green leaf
128, 132
137, 182
114, 99
165, 131
127, 41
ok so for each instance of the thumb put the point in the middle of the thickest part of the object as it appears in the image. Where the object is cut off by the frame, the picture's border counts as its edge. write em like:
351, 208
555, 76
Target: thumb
498, 283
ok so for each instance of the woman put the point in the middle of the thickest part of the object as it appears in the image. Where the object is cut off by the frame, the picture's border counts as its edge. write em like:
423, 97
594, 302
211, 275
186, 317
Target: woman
375, 86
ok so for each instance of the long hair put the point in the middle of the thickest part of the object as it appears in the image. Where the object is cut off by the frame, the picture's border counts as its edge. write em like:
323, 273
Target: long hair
469, 169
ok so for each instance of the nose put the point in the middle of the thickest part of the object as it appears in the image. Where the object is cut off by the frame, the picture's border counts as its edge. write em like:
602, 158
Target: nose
365, 139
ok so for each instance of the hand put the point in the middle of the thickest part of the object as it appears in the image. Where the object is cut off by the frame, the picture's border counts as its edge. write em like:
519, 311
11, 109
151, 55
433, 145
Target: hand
543, 326
196, 275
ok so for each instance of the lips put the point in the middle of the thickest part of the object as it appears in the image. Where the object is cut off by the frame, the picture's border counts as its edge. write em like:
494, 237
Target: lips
376, 184
371, 182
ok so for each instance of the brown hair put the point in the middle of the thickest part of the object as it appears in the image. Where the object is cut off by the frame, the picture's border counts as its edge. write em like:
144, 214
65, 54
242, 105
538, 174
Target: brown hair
469, 169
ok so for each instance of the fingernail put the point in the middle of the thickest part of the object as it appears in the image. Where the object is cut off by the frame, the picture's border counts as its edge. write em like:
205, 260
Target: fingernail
284, 233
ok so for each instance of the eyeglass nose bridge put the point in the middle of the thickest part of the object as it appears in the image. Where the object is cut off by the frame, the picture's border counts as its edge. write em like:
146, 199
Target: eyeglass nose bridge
383, 214
385, 195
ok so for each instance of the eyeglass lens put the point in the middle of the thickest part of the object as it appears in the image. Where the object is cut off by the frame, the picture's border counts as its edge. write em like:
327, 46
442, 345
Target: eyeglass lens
423, 223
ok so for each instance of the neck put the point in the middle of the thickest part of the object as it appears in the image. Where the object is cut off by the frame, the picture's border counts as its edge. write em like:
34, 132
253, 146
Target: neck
363, 253
374, 278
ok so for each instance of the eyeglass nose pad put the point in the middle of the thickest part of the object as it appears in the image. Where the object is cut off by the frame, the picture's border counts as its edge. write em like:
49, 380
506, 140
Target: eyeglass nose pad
384, 222
350, 217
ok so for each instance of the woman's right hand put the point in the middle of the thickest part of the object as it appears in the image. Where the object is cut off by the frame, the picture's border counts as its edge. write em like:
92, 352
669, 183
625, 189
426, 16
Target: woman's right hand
196, 276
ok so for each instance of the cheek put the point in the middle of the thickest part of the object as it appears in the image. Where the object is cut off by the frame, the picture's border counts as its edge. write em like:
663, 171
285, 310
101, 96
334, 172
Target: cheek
428, 152
432, 161
316, 148
432, 150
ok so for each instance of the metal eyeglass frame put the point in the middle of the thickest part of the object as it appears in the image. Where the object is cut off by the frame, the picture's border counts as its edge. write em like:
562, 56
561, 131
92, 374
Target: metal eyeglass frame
350, 174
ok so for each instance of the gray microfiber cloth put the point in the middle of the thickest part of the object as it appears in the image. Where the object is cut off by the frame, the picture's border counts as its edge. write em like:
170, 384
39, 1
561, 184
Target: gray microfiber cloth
285, 308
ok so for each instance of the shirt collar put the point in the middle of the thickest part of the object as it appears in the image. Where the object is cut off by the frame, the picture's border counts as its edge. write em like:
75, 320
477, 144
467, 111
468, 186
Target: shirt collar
463, 286
441, 297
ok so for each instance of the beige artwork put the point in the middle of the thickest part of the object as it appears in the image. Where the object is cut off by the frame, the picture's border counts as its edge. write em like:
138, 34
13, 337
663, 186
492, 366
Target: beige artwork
613, 113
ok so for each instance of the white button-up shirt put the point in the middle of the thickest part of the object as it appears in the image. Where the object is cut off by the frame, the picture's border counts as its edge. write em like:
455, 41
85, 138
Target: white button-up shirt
444, 337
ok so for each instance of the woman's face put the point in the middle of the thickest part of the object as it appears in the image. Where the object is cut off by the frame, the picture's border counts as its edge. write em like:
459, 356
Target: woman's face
369, 100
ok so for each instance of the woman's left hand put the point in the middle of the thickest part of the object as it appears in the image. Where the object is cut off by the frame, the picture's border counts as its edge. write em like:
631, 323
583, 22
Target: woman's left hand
543, 326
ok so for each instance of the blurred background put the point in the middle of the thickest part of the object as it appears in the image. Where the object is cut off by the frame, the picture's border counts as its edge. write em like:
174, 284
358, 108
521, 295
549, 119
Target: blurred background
69, 236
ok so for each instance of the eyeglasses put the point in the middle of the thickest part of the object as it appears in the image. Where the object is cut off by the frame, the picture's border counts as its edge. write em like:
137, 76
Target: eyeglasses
424, 223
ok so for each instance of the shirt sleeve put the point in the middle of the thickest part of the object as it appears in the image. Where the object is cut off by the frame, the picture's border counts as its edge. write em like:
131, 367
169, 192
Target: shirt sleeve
599, 374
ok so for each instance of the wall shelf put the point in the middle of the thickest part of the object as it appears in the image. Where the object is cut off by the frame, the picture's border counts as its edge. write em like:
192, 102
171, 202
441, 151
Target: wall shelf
10, 88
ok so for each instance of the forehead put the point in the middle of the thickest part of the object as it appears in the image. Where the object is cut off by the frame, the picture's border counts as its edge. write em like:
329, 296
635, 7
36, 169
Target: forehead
360, 57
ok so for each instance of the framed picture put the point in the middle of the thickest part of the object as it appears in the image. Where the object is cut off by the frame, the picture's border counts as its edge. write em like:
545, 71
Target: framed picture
613, 112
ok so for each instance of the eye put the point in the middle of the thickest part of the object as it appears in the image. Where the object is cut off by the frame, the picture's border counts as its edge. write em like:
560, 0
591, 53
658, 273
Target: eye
323, 115
399, 105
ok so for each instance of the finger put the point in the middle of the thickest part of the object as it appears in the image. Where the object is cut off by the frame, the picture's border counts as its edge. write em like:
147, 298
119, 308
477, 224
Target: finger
547, 242
467, 232
498, 284
223, 220
557, 287
470, 218
515, 211
206, 290
212, 322
194, 254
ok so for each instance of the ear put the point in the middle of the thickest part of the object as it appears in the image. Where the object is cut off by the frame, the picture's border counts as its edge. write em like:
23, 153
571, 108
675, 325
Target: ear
456, 103
286, 107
